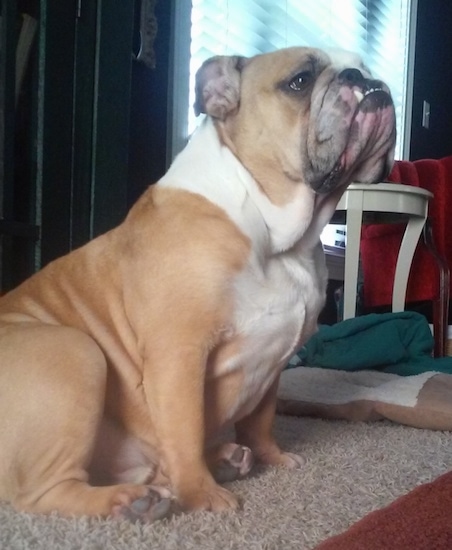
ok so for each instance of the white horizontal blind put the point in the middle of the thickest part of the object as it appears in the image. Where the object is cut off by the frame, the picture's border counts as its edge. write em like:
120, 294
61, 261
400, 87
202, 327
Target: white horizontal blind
376, 29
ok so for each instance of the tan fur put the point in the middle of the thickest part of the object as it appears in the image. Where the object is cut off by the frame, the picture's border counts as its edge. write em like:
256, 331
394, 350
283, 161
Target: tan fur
121, 362
102, 290
263, 148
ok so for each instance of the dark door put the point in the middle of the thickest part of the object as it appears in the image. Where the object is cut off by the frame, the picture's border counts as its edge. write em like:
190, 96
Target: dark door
64, 135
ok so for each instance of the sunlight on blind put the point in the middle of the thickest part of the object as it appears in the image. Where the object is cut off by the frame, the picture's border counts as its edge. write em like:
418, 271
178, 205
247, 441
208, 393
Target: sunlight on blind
376, 29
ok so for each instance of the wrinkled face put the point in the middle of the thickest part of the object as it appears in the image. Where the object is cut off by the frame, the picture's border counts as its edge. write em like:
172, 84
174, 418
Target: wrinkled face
312, 116
351, 125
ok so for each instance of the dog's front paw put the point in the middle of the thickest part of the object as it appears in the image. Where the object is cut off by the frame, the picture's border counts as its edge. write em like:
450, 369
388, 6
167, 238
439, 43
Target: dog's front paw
291, 460
212, 497
273, 456
229, 462
154, 505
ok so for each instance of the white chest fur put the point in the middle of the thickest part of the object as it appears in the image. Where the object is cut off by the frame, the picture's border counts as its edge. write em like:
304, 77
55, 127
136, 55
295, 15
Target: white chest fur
279, 293
276, 310
210, 169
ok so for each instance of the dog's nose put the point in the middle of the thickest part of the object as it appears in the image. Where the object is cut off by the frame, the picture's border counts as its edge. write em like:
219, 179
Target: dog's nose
351, 77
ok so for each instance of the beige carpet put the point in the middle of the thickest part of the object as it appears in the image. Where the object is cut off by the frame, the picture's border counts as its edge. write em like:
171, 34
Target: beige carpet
352, 469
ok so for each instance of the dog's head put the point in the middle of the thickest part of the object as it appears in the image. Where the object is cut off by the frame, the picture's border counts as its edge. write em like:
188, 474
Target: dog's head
301, 115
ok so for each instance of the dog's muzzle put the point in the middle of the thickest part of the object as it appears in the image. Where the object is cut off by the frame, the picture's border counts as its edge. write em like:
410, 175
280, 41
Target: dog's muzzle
371, 94
370, 133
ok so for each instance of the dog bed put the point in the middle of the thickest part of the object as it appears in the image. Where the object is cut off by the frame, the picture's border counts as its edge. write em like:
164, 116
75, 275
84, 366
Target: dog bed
370, 368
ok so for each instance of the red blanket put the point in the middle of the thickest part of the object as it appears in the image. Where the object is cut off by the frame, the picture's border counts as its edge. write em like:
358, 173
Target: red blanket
420, 520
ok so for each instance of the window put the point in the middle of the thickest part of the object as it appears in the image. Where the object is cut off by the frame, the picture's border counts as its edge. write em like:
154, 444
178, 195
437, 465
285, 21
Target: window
377, 29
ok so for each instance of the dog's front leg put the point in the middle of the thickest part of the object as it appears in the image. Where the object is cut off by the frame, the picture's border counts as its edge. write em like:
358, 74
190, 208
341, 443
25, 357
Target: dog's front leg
256, 432
176, 402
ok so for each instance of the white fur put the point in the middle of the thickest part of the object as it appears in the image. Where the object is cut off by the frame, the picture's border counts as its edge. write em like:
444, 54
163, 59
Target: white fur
281, 290
344, 59
209, 168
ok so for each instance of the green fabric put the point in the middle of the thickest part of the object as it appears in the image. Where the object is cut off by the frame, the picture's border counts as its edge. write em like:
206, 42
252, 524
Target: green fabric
399, 343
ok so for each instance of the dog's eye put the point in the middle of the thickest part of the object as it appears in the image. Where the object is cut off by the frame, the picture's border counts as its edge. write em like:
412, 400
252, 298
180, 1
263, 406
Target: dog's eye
300, 81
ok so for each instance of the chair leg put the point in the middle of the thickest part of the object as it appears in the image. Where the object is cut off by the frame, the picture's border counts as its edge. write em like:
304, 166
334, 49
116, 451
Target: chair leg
441, 303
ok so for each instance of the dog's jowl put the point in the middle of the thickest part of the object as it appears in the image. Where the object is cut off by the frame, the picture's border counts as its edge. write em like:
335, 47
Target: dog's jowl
121, 361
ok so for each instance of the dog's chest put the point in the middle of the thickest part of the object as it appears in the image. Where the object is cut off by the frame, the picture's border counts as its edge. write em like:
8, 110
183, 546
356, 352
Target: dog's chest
276, 305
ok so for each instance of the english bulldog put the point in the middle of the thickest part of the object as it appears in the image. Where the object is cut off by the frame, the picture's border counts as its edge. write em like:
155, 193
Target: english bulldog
121, 362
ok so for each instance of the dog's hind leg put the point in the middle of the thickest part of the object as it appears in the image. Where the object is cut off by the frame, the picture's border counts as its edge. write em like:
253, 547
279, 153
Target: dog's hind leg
52, 385
256, 432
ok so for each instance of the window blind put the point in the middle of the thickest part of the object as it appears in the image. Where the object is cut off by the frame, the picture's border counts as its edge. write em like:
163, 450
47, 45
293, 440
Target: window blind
376, 29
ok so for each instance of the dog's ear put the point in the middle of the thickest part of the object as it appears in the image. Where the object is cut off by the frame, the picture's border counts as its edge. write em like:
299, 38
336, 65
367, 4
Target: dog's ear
218, 86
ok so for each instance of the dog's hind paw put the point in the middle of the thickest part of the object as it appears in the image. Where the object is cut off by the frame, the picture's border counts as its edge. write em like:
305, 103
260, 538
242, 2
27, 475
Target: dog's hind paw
229, 462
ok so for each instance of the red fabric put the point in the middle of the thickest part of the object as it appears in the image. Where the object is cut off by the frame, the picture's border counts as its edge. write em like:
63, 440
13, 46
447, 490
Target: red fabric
419, 520
380, 243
